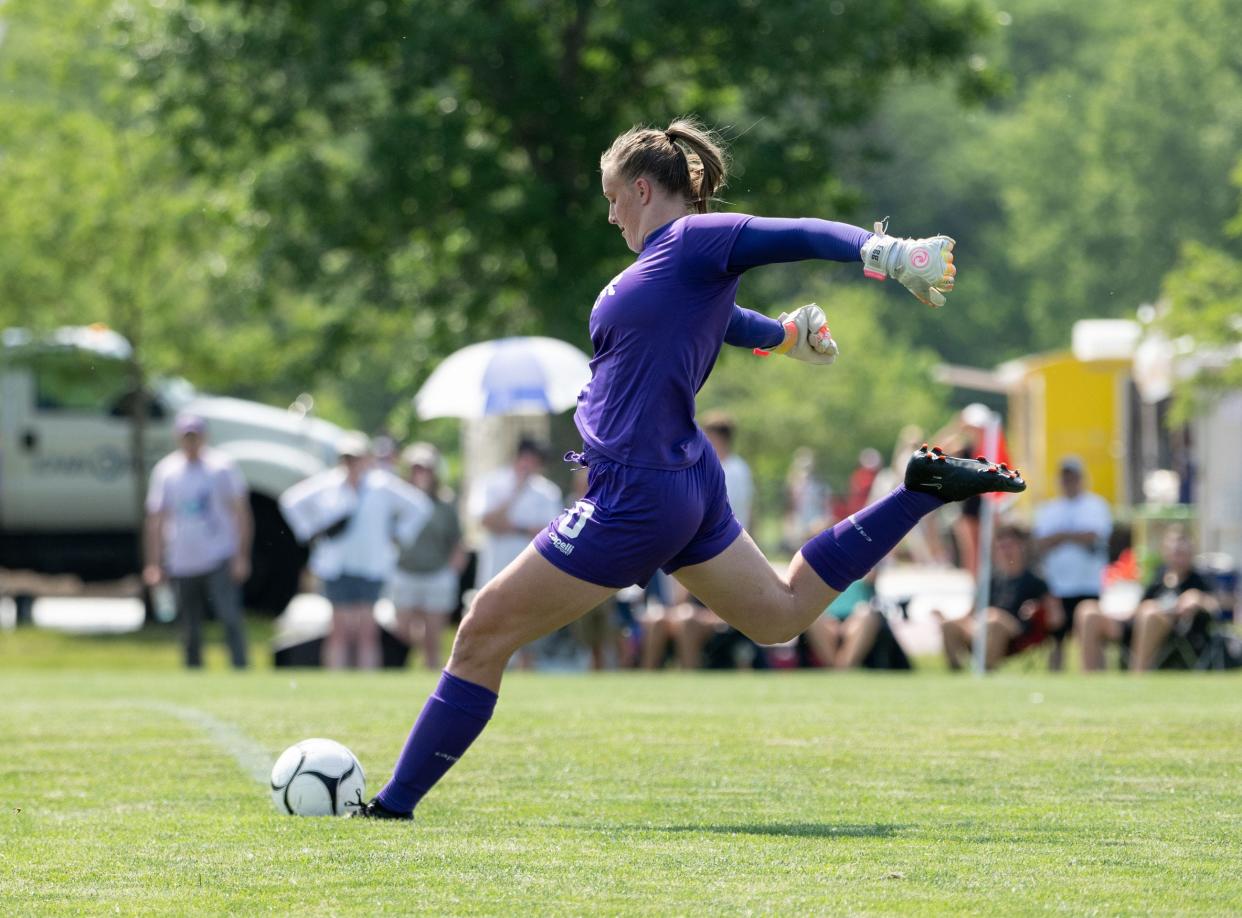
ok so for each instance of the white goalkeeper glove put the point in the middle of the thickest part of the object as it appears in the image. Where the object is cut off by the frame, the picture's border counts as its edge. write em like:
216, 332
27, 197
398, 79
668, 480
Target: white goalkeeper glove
923, 266
806, 336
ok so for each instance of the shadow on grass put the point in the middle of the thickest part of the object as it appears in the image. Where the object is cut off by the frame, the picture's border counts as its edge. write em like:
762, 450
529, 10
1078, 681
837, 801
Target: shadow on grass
795, 829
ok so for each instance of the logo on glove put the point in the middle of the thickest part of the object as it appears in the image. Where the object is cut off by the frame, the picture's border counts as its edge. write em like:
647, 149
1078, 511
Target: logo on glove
919, 258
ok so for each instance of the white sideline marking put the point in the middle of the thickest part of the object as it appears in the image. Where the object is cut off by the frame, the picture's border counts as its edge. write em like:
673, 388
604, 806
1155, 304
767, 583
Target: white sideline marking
254, 760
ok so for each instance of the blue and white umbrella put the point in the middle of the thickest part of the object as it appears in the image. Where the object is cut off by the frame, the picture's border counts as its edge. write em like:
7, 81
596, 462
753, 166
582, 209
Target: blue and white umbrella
507, 376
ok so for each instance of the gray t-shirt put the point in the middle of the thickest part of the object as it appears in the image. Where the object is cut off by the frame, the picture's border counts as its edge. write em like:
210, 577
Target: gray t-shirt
197, 500
434, 546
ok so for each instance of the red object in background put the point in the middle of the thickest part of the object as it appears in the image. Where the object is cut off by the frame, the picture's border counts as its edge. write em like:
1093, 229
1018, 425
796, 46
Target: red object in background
1034, 636
861, 480
1126, 567
1002, 456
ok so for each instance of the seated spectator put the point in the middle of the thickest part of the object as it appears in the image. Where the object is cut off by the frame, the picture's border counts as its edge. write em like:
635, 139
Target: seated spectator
684, 624
1177, 595
1020, 610
848, 632
600, 632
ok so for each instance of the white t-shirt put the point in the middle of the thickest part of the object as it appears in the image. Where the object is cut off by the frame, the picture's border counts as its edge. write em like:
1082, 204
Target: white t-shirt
382, 509
537, 505
197, 500
1072, 569
739, 486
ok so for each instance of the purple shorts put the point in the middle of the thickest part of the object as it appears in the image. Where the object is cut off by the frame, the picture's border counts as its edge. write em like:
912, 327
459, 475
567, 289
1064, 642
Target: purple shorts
634, 520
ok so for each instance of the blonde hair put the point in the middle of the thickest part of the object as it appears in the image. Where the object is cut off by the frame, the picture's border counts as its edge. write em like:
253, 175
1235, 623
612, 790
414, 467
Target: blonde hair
685, 159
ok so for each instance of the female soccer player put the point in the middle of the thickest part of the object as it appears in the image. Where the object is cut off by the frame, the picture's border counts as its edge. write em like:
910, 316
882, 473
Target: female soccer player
656, 496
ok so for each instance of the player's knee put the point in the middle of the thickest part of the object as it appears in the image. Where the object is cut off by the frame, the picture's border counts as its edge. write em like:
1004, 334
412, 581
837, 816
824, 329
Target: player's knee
483, 632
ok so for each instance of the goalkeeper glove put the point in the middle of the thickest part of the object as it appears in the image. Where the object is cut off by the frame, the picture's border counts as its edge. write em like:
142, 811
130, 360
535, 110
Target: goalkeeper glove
923, 266
806, 336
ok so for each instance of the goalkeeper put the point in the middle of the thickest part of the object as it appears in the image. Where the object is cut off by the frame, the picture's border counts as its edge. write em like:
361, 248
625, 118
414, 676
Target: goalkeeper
656, 493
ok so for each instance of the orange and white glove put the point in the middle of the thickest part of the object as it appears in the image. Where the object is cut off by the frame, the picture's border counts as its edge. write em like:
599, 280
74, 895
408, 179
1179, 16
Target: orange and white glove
807, 337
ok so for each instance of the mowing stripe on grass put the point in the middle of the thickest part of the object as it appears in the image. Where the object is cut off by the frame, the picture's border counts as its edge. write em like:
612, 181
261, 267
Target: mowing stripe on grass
254, 760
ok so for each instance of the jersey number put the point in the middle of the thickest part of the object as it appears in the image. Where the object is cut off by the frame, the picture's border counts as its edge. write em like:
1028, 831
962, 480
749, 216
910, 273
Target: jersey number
572, 521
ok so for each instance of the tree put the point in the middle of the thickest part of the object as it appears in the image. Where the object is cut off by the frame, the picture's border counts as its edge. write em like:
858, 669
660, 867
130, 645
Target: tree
99, 224
435, 162
1203, 307
1072, 192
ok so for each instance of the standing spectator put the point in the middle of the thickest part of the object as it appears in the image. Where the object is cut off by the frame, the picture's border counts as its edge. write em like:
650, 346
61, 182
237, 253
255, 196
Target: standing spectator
426, 585
513, 504
739, 485
963, 436
807, 500
198, 532
690, 625
861, 481
350, 515
1071, 534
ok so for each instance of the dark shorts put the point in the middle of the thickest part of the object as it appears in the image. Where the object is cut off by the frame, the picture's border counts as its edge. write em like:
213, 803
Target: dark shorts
633, 521
347, 590
1069, 603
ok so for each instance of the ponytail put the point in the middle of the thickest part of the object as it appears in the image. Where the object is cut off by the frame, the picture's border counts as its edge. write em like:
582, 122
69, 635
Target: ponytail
685, 159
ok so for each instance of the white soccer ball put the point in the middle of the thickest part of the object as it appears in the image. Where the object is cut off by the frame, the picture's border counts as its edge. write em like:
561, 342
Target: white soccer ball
317, 777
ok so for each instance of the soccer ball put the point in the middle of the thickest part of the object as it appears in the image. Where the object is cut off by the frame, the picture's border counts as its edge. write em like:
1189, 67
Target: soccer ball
317, 777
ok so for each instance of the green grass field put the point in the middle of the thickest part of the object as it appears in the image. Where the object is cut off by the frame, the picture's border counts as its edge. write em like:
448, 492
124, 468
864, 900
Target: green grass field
129, 786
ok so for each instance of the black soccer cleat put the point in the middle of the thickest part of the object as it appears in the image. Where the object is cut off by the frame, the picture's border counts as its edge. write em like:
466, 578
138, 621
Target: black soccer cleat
931, 471
375, 810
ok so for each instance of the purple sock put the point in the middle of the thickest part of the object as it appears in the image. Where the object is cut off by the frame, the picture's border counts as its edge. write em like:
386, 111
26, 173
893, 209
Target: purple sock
452, 718
852, 547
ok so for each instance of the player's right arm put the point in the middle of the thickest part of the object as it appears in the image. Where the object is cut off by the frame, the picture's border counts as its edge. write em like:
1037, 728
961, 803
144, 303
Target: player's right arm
802, 334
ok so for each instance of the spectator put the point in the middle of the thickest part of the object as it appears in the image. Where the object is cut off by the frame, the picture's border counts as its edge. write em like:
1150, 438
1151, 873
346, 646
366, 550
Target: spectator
845, 636
861, 481
739, 485
807, 500
1071, 533
963, 436
1177, 595
513, 504
426, 584
349, 515
689, 625
685, 624
198, 530
1020, 607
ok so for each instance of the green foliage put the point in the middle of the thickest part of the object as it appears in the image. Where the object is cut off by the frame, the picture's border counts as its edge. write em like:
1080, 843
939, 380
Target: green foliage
1071, 196
427, 171
1203, 306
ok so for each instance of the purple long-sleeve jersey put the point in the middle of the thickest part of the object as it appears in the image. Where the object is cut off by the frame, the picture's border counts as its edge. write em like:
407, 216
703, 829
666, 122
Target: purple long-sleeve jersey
658, 327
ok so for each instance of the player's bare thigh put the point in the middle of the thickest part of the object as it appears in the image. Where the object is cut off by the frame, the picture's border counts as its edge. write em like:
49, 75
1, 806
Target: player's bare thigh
527, 600
741, 586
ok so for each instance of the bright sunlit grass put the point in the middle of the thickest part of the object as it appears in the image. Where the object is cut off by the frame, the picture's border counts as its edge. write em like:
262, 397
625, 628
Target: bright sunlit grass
133, 789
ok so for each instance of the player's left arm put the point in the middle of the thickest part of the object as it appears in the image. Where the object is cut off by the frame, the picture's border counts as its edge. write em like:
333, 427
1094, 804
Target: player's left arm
802, 334
923, 266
